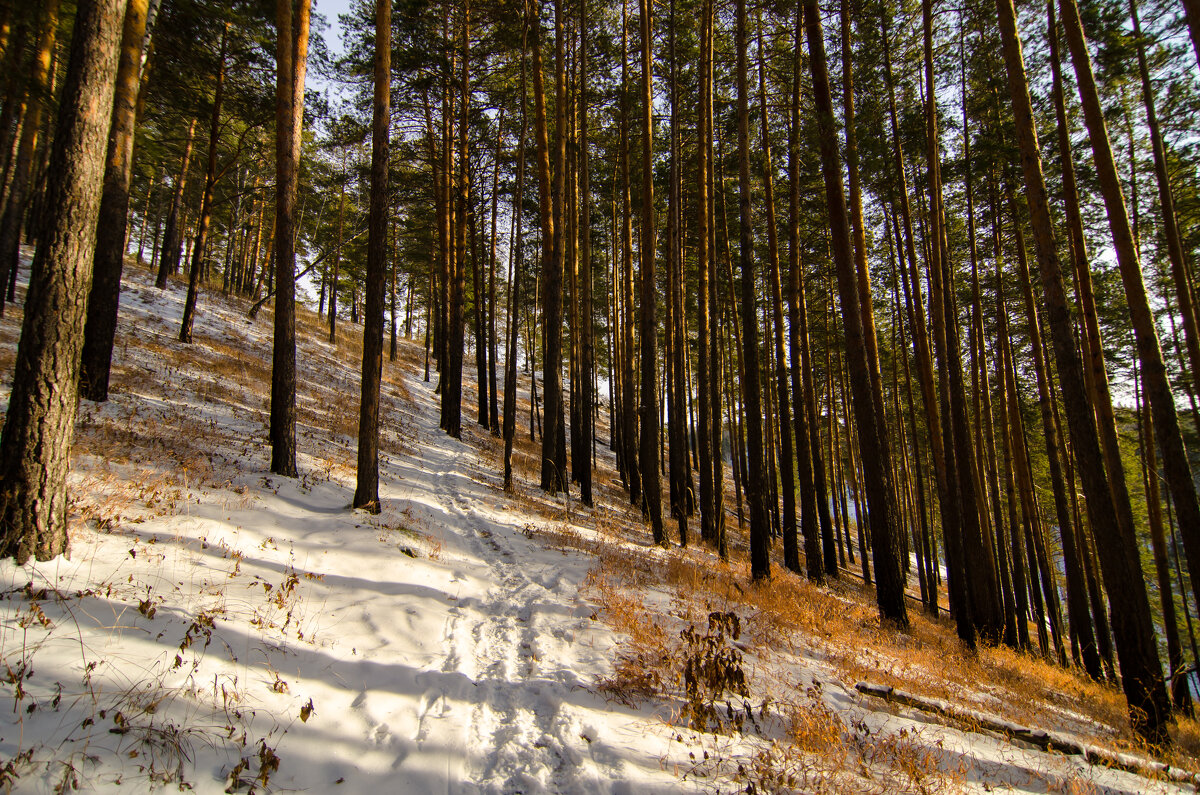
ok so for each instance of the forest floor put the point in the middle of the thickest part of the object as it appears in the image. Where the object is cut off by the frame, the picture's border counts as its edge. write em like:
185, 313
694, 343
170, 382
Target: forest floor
222, 629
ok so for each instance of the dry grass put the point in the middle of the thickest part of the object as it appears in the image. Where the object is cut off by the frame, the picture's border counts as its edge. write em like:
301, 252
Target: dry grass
838, 624
172, 430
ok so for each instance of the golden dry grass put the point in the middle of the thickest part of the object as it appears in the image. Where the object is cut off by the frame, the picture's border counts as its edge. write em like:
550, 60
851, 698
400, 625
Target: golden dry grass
838, 623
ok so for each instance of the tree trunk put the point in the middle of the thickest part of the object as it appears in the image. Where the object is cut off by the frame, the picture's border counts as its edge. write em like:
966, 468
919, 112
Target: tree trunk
708, 454
1191, 10
682, 498
337, 255
366, 492
210, 178
586, 343
516, 258
548, 282
791, 551
35, 444
1077, 605
755, 477
629, 414
873, 440
16, 206
479, 298
493, 399
1170, 224
647, 328
553, 476
101, 326
292, 56
1011, 458
820, 555
458, 203
946, 488
1180, 692
168, 261
15, 101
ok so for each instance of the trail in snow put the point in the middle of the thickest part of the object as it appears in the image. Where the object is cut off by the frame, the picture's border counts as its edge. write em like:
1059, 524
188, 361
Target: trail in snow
512, 687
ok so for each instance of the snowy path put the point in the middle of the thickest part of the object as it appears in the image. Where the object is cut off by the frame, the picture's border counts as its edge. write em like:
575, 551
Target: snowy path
511, 687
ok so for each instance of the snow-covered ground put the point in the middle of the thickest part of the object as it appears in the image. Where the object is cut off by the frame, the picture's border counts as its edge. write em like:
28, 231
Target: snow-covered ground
224, 629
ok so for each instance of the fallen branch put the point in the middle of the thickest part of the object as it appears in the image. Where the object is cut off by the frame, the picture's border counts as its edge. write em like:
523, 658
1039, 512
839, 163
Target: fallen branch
1050, 741
253, 313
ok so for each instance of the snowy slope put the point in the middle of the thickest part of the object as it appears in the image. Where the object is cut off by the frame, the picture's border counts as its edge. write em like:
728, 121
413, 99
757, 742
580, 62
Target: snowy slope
441, 649
224, 629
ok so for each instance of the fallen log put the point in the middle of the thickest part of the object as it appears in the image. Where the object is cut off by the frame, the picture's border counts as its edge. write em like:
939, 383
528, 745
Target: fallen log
1046, 740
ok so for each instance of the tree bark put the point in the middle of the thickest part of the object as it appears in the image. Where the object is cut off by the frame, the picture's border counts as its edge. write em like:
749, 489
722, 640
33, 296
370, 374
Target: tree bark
873, 440
458, 202
755, 477
516, 258
35, 444
366, 492
787, 479
16, 206
1170, 224
947, 499
168, 261
586, 343
205, 219
647, 328
493, 398
1180, 691
337, 255
705, 369
629, 413
101, 326
549, 477
714, 341
553, 433
1077, 605
289, 114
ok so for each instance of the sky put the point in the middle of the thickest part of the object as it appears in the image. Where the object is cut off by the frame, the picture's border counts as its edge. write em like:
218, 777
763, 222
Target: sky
330, 9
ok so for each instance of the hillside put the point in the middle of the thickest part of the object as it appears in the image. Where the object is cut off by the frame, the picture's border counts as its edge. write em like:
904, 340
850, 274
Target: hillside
217, 628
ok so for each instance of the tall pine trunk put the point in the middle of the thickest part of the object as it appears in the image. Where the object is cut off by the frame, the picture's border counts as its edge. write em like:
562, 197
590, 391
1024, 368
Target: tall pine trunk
787, 479
101, 327
289, 116
754, 480
648, 297
210, 176
16, 205
873, 441
516, 258
366, 492
583, 466
168, 258
553, 434
35, 444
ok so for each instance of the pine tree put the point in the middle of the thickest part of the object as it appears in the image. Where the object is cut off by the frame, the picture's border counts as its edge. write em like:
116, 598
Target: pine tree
366, 493
35, 444
101, 326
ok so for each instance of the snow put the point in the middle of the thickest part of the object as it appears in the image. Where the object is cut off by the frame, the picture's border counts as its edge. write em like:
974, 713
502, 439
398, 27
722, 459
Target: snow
441, 648
225, 629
